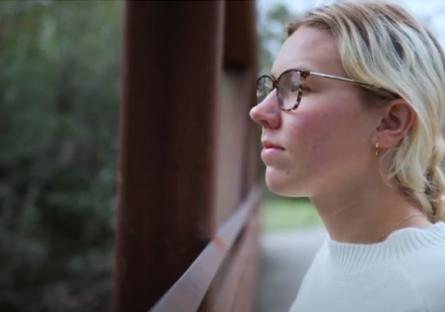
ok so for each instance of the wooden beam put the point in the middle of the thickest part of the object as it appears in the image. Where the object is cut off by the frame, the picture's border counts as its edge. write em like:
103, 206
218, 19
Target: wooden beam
172, 63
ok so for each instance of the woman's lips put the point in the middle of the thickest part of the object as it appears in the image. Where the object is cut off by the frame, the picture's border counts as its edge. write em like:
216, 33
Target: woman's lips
270, 152
270, 145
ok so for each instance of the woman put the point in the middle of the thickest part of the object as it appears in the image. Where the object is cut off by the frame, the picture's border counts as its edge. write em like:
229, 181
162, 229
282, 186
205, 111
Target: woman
352, 117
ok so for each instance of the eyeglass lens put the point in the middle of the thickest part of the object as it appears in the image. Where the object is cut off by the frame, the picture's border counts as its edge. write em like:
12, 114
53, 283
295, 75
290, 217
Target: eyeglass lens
288, 90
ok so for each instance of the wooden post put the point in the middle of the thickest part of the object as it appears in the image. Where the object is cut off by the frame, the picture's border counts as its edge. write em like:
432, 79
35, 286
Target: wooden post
172, 63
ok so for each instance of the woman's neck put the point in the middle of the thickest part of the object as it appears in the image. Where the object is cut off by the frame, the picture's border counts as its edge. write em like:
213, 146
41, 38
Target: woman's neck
366, 214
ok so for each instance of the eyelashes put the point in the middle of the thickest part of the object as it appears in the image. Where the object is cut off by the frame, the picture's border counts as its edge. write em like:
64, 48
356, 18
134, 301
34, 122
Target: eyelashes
303, 88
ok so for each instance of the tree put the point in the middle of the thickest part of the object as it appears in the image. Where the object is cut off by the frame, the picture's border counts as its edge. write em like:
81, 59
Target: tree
272, 32
60, 75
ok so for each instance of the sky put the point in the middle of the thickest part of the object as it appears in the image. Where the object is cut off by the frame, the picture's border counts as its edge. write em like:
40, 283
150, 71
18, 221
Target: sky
431, 12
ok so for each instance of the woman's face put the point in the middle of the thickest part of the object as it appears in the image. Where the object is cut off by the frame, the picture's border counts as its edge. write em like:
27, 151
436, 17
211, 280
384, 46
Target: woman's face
324, 143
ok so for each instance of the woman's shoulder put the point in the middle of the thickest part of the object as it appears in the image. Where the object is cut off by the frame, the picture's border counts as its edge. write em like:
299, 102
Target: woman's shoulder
425, 268
426, 276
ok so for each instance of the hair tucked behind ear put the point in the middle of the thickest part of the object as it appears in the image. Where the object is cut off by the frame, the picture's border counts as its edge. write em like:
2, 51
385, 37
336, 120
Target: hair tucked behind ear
382, 44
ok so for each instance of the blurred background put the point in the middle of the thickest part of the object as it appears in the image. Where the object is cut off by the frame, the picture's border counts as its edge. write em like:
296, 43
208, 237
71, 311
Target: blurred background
59, 82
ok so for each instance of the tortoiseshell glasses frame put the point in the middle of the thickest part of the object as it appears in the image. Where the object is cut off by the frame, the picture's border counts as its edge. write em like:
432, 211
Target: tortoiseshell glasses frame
289, 87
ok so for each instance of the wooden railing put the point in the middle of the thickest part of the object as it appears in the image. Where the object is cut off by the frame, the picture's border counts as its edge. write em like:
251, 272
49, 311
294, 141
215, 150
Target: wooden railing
189, 290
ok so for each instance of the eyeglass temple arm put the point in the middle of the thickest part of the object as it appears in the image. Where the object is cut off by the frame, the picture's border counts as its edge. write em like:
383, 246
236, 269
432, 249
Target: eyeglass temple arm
342, 79
361, 83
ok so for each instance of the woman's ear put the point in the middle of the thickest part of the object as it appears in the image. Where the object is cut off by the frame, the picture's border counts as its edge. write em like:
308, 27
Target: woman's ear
394, 123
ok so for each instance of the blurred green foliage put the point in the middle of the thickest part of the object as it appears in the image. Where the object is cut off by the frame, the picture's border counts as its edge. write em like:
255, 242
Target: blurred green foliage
59, 76
281, 214
271, 28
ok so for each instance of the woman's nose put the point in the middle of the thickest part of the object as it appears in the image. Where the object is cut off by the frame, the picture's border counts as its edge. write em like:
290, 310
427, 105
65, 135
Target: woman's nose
267, 113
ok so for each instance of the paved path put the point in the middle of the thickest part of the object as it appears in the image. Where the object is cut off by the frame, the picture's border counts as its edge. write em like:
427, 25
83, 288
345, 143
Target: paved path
284, 259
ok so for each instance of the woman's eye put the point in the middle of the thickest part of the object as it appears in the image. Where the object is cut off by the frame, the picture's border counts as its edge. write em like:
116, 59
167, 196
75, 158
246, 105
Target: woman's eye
295, 88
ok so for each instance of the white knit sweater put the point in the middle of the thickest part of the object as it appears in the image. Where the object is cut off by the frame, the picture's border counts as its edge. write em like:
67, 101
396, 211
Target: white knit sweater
406, 272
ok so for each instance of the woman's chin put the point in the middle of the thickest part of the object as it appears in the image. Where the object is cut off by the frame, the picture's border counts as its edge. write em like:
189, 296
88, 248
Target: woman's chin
279, 184
282, 184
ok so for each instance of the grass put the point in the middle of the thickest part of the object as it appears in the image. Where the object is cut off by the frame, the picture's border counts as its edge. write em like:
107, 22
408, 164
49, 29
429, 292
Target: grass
280, 214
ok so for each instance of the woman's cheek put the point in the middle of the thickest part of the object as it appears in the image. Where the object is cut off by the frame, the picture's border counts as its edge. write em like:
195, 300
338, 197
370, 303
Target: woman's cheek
311, 130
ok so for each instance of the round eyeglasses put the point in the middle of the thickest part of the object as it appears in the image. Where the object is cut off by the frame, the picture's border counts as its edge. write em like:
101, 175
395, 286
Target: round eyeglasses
289, 87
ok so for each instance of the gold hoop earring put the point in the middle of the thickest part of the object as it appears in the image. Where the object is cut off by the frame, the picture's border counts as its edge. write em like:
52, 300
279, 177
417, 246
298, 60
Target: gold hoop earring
377, 149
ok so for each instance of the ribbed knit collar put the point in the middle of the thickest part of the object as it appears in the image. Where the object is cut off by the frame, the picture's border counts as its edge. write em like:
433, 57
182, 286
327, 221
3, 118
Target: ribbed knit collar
348, 257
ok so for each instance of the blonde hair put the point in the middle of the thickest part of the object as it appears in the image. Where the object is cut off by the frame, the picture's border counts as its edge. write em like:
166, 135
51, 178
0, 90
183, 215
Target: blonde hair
384, 45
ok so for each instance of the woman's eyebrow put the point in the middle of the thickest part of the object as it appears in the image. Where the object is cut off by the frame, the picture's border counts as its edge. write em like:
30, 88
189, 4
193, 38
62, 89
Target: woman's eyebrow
300, 68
